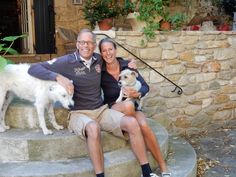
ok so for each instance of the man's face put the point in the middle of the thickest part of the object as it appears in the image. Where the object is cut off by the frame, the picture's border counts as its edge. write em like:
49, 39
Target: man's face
86, 45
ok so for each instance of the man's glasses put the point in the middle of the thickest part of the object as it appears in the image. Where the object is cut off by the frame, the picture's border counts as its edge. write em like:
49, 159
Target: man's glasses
86, 42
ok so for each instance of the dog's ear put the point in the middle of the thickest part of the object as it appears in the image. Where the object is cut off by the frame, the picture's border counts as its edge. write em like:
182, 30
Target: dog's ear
134, 73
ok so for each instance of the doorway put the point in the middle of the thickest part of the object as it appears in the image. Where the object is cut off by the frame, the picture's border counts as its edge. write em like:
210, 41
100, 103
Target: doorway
36, 18
9, 23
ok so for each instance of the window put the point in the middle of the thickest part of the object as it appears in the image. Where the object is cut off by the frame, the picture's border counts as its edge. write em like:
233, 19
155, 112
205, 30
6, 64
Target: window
77, 2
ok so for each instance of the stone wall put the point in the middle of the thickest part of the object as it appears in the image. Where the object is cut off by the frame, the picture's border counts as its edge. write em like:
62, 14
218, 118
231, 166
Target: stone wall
202, 63
68, 16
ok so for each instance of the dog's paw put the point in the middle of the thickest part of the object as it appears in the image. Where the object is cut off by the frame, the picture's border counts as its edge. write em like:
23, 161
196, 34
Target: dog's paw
2, 129
47, 132
71, 131
6, 127
58, 127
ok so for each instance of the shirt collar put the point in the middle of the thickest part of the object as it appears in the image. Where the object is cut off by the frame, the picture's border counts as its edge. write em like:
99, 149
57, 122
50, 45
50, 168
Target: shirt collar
86, 61
79, 58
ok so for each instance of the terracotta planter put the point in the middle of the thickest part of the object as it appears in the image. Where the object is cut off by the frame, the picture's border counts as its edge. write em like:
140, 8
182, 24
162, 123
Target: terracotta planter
105, 24
136, 24
165, 26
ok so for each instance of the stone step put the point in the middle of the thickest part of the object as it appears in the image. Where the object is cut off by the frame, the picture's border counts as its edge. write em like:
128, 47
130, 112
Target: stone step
23, 144
119, 163
25, 152
182, 159
22, 114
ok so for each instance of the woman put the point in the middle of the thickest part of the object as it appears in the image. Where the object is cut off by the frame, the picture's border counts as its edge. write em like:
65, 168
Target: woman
110, 76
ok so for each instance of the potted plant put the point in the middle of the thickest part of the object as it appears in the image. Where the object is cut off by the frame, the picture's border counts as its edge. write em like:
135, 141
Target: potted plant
149, 13
100, 11
165, 23
178, 20
131, 12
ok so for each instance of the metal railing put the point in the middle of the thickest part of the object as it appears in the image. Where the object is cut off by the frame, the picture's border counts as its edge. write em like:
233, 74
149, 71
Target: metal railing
177, 88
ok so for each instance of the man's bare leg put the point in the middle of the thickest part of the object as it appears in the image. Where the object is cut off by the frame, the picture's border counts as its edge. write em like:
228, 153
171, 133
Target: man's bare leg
93, 133
130, 125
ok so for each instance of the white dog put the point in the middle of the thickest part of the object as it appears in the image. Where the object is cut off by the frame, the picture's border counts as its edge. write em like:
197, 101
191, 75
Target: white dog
128, 79
15, 79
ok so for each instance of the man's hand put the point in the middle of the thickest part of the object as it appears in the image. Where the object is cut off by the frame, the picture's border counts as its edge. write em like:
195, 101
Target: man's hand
130, 92
66, 83
132, 64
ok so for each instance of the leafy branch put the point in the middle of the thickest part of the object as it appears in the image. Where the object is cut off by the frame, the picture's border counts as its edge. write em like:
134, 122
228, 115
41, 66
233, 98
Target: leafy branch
7, 49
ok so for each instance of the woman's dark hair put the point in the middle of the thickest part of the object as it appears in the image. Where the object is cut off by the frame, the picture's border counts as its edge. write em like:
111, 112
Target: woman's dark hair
106, 40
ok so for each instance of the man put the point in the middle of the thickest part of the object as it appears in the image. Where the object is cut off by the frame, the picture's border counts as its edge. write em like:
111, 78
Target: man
89, 116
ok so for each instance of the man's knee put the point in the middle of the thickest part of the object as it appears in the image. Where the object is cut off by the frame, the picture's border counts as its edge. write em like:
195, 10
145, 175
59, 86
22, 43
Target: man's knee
131, 124
92, 130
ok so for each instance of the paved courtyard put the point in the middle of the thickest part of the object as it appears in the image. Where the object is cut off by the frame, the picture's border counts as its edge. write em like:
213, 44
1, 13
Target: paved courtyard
216, 150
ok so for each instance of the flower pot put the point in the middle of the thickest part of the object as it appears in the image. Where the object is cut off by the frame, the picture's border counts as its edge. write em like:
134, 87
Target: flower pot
105, 24
136, 24
165, 26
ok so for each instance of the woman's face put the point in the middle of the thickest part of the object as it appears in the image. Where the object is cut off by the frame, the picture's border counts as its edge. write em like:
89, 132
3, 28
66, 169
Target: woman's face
108, 52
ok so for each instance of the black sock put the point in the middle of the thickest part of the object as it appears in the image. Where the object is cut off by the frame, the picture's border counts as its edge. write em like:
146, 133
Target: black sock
100, 175
146, 170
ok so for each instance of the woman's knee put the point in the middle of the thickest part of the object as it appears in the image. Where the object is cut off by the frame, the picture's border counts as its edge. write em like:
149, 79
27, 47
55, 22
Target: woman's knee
92, 130
144, 126
129, 105
129, 108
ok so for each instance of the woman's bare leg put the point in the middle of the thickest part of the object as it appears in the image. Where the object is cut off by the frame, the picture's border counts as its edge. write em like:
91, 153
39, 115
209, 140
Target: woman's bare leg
149, 137
151, 141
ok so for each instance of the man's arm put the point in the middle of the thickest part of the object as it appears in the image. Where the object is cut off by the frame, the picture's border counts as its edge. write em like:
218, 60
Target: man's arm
51, 70
42, 71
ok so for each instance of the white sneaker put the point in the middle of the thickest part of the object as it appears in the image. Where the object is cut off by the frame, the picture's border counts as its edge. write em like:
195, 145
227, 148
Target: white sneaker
152, 175
164, 174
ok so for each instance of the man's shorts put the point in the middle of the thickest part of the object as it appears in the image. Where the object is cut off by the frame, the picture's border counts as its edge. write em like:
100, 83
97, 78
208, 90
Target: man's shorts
108, 119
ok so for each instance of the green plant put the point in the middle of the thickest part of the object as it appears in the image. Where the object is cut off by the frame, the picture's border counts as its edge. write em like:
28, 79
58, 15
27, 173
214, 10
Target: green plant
5, 48
97, 10
129, 7
150, 12
177, 20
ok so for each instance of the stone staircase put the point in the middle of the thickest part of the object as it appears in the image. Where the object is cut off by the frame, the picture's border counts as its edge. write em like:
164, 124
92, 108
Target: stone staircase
26, 152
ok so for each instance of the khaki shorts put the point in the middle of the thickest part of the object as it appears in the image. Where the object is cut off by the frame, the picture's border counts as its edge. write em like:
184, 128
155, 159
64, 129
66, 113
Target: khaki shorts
108, 119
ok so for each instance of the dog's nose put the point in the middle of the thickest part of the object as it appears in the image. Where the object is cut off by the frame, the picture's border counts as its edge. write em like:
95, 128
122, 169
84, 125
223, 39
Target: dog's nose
70, 106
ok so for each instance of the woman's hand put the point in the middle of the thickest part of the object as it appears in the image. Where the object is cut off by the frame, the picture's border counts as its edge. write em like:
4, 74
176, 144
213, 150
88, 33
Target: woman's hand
66, 83
131, 93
